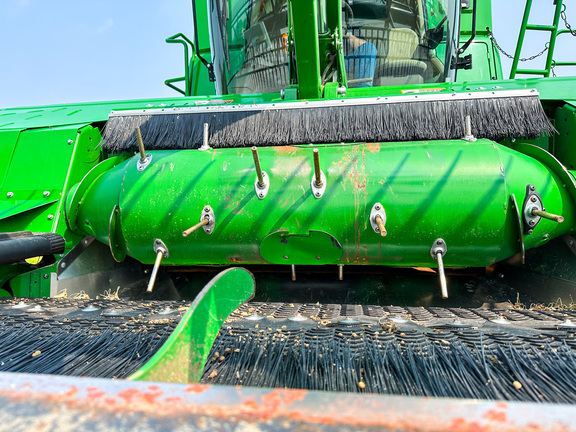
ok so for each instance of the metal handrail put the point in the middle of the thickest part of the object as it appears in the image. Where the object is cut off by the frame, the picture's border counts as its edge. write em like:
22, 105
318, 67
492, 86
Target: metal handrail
553, 29
188, 60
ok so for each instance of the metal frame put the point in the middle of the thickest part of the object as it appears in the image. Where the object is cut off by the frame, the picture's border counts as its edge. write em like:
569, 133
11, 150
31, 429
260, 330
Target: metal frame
56, 403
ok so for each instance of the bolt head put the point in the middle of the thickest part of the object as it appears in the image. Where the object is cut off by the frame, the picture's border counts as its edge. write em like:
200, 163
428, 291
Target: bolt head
532, 187
377, 207
261, 195
50, 217
45, 276
10, 194
70, 142
318, 258
318, 194
206, 209
531, 223
46, 194
208, 230
285, 256
439, 242
533, 199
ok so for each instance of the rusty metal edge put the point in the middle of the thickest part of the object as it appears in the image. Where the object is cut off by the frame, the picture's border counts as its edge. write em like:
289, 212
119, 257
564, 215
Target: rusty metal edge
43, 402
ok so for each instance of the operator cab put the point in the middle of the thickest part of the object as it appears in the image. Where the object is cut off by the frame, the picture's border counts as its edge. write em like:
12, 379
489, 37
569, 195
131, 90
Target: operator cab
385, 42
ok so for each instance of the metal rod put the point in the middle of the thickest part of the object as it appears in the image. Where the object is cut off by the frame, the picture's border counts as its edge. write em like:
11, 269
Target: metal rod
380, 223
340, 272
443, 286
199, 225
317, 172
546, 215
140, 143
159, 254
468, 123
293, 272
258, 168
205, 136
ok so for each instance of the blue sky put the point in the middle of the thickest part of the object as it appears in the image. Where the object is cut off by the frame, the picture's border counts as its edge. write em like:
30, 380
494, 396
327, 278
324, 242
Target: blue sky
59, 51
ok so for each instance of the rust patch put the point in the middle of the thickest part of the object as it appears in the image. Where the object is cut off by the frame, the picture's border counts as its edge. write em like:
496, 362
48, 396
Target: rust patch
214, 154
462, 425
251, 404
132, 395
129, 394
94, 393
285, 150
496, 415
373, 147
71, 392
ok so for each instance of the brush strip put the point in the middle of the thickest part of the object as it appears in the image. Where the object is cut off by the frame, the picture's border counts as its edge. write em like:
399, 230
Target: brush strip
495, 118
469, 364
106, 353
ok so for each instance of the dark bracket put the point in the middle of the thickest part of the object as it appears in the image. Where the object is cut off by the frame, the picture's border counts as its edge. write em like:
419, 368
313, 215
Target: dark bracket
208, 65
531, 201
462, 62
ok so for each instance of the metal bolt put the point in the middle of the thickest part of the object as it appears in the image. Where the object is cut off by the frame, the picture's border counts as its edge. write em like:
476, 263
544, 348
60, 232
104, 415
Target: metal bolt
533, 199
318, 194
261, 195
531, 223
46, 194
50, 217
45, 276
532, 187
10, 194
63, 264
285, 256
377, 207
206, 209
545, 236
208, 230
87, 222
318, 258
70, 142
438, 242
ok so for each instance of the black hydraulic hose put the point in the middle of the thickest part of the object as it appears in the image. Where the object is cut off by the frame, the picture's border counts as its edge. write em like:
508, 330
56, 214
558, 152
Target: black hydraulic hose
15, 247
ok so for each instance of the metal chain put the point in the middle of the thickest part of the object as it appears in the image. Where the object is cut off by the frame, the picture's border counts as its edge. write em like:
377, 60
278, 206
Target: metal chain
568, 26
493, 39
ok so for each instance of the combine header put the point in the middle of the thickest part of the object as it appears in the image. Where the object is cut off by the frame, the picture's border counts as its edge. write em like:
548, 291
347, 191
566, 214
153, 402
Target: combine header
347, 198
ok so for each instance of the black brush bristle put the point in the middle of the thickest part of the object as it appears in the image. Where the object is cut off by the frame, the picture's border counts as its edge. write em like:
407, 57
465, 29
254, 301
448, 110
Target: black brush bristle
492, 118
430, 364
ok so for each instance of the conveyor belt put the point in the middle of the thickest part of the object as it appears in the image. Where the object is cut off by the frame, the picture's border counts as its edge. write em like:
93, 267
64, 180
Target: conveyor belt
98, 338
467, 353
454, 352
